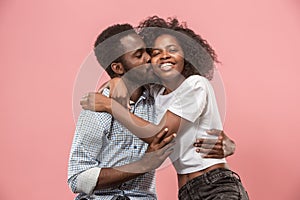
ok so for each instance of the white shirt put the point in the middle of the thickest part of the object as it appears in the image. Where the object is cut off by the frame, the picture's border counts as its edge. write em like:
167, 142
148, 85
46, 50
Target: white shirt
194, 100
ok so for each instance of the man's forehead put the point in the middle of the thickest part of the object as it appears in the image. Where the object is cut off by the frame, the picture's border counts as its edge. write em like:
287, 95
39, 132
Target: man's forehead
132, 42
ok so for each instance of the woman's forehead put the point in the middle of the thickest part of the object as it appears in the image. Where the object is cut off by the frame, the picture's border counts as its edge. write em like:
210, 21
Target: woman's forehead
165, 40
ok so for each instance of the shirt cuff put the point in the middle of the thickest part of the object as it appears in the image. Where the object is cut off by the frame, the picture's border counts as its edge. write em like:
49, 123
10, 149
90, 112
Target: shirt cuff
87, 180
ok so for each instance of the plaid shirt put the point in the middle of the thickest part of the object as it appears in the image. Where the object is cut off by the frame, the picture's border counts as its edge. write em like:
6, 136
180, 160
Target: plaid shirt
100, 141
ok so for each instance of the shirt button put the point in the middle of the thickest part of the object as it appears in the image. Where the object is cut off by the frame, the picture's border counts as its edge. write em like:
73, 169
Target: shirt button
135, 147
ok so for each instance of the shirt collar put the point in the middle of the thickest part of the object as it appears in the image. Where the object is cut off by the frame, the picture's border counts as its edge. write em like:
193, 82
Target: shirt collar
145, 95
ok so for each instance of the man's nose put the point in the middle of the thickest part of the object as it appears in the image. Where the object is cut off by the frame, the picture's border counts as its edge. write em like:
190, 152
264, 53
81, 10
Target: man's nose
147, 58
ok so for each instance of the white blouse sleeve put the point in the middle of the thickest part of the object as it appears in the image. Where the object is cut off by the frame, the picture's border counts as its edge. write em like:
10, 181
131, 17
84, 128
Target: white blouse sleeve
190, 99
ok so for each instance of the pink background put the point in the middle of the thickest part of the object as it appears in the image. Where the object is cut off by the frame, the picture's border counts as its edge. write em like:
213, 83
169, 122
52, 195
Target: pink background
44, 43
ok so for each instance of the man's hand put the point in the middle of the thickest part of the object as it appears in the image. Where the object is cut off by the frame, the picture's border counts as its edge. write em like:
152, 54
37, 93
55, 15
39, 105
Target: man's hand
158, 150
160, 140
221, 147
96, 102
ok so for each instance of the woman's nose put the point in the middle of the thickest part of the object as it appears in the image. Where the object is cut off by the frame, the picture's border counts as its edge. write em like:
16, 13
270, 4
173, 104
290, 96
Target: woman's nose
165, 55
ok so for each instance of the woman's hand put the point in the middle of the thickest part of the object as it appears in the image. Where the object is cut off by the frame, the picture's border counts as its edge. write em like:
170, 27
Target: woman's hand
118, 91
96, 102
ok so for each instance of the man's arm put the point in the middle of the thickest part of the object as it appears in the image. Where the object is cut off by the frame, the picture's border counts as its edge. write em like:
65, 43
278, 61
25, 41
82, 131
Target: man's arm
223, 147
84, 173
83, 165
157, 152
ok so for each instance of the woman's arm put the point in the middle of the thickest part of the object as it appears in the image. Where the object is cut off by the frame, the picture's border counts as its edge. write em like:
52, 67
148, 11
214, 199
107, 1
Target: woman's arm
185, 107
142, 128
138, 126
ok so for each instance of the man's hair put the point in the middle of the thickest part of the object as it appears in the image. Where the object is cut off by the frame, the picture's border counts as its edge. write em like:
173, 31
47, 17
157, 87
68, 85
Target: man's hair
199, 57
108, 48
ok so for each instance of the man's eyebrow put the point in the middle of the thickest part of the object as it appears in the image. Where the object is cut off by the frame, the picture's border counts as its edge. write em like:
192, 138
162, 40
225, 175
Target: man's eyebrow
139, 50
155, 49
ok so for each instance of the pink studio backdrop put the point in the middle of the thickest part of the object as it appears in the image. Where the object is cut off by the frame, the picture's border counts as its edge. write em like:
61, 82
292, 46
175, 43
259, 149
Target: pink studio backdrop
44, 43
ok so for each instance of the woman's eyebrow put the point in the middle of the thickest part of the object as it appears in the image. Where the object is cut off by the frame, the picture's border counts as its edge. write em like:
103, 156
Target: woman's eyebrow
171, 45
166, 47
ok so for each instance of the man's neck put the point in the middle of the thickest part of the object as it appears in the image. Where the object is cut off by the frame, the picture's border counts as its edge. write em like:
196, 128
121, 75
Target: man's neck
134, 89
136, 94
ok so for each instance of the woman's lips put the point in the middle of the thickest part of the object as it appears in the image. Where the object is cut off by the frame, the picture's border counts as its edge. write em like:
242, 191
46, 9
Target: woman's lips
166, 66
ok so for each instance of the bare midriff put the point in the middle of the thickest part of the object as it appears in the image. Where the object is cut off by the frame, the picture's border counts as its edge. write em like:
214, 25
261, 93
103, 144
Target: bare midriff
184, 178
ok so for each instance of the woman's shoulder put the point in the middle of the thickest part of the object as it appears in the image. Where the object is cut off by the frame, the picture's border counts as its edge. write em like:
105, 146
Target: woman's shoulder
197, 78
196, 81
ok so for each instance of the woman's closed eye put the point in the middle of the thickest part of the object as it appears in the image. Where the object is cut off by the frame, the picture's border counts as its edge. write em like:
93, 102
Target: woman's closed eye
173, 50
155, 52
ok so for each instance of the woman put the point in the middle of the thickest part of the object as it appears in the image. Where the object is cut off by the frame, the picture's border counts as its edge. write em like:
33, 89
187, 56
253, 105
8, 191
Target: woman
186, 104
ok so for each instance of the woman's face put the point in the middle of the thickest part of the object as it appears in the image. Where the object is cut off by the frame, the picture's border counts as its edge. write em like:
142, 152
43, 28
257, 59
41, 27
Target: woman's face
167, 58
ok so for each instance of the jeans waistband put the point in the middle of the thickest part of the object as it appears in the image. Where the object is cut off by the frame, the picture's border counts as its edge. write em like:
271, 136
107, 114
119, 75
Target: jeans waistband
210, 177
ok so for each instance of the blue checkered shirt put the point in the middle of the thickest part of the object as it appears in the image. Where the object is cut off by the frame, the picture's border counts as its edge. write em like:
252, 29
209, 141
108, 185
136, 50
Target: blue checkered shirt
100, 141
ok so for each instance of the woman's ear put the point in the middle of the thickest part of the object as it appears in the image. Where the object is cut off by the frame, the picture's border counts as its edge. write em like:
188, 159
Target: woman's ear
117, 67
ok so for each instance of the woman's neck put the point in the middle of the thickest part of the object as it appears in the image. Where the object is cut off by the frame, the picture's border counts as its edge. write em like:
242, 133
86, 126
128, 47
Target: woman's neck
172, 85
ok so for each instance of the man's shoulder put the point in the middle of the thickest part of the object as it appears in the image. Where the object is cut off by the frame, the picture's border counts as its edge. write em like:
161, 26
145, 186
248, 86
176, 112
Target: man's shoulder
100, 117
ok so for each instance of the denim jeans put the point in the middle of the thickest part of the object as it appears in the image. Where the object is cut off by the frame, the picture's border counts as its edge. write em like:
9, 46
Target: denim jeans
216, 184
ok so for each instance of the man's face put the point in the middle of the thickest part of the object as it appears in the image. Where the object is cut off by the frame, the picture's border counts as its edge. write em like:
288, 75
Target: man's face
134, 51
136, 59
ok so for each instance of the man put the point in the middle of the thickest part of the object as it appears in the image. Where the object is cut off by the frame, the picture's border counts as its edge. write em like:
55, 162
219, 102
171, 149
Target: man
101, 164
101, 160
